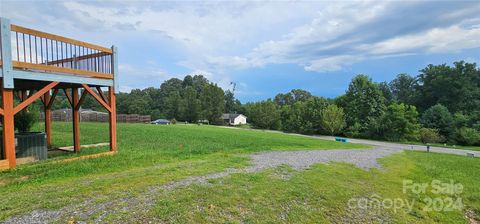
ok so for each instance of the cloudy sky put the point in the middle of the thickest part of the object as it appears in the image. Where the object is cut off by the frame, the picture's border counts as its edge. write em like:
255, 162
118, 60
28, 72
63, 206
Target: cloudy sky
264, 47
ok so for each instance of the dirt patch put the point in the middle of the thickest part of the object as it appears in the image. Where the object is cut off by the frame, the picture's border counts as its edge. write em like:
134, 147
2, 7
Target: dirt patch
472, 217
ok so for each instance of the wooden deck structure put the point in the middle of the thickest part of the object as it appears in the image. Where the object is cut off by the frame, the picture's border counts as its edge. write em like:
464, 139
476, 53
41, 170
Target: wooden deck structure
36, 65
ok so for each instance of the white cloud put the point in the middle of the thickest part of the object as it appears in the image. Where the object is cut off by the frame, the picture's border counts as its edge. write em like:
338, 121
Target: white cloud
125, 89
218, 37
436, 40
331, 63
340, 37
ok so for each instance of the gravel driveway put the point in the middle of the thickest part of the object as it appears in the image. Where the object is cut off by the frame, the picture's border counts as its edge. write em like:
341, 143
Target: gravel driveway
365, 159
398, 146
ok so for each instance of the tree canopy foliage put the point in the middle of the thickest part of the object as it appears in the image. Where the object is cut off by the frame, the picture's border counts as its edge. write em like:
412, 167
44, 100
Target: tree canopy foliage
441, 103
191, 99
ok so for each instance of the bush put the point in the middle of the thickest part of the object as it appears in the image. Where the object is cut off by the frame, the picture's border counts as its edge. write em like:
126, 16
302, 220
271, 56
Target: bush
355, 131
173, 121
430, 135
25, 119
467, 136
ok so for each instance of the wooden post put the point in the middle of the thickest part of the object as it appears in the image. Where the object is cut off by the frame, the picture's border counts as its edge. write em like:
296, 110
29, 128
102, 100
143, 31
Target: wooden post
8, 127
48, 118
75, 120
113, 120
23, 95
6, 51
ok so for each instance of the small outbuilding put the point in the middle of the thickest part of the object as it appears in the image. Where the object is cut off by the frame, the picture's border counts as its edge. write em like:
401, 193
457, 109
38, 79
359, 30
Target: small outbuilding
234, 119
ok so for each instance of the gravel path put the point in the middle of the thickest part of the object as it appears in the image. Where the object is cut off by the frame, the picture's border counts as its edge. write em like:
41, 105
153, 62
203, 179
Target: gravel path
260, 161
398, 146
364, 159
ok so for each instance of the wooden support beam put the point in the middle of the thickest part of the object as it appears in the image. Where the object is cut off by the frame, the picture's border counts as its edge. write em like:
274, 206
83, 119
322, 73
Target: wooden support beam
100, 92
76, 121
48, 118
35, 96
4, 164
50, 68
23, 95
6, 52
115, 68
59, 77
52, 99
113, 120
42, 98
18, 93
86, 157
81, 100
69, 97
30, 92
79, 58
8, 127
89, 90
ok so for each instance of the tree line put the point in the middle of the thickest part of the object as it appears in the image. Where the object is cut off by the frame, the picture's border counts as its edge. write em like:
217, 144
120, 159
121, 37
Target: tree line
440, 104
192, 99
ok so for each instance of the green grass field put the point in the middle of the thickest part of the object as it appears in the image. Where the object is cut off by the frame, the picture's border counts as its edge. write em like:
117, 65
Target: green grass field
320, 194
153, 155
147, 155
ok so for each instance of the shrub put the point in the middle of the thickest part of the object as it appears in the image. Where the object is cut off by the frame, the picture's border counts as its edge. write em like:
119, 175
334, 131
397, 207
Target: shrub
173, 121
355, 131
430, 135
25, 119
467, 136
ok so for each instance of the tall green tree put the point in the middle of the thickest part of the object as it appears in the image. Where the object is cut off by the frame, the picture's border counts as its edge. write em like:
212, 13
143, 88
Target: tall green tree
457, 87
303, 116
172, 105
386, 93
333, 119
295, 95
213, 104
363, 102
190, 105
403, 88
232, 105
438, 117
399, 123
139, 102
264, 115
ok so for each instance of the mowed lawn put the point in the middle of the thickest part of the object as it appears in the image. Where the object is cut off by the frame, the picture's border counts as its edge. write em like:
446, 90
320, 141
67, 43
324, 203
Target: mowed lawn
322, 193
152, 155
147, 155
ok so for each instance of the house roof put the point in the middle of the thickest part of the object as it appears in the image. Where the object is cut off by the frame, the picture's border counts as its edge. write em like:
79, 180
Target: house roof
231, 116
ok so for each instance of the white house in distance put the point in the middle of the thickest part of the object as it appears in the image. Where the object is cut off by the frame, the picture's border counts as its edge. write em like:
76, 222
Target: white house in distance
234, 119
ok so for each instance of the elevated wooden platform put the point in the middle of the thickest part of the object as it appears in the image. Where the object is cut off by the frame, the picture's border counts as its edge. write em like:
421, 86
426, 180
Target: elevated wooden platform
35, 65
